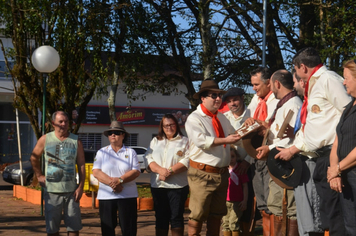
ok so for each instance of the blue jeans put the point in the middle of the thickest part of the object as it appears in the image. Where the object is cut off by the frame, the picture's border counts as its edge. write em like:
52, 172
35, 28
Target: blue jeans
169, 206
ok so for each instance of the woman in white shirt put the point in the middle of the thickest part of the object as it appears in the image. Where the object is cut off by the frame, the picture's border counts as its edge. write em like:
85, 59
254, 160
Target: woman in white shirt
167, 159
116, 167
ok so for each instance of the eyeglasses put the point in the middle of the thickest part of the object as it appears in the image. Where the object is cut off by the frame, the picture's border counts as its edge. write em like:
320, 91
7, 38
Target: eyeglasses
215, 95
169, 126
117, 133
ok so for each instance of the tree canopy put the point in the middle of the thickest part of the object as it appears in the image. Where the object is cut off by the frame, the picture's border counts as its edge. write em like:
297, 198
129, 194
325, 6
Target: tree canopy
150, 45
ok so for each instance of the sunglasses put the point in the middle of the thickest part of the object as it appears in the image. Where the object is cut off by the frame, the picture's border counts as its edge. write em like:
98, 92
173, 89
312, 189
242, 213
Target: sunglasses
169, 126
215, 95
117, 133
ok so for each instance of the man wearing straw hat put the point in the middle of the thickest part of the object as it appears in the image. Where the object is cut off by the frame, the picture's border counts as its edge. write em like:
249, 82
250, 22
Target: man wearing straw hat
210, 134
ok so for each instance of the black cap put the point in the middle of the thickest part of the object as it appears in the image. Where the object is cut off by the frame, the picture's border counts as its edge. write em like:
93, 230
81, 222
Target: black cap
233, 92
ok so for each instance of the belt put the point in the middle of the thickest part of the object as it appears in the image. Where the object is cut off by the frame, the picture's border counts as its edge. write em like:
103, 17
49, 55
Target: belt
207, 168
318, 153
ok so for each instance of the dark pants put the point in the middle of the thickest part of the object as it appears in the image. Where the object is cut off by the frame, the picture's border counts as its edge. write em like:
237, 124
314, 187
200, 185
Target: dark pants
127, 208
330, 207
169, 206
348, 200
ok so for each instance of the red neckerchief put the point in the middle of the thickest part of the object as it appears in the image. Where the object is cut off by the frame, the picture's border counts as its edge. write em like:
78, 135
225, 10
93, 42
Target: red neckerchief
216, 122
304, 111
281, 103
261, 111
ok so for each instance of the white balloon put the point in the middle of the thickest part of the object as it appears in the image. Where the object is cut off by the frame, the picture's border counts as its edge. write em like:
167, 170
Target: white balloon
45, 59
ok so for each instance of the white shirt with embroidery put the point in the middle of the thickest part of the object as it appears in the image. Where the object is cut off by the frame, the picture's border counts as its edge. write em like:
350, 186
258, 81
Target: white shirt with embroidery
167, 153
116, 164
327, 98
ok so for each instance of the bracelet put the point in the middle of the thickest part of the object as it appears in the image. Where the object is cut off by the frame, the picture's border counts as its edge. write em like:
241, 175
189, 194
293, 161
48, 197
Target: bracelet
338, 170
171, 170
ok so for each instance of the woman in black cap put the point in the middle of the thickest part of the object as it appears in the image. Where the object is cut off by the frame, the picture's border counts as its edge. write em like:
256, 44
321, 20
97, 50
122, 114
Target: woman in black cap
116, 167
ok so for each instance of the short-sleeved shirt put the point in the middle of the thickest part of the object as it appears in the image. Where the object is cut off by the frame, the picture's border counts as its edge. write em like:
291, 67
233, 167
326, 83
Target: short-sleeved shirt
234, 191
116, 164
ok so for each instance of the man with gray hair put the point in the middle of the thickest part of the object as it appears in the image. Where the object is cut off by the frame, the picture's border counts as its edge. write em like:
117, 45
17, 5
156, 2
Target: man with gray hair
62, 151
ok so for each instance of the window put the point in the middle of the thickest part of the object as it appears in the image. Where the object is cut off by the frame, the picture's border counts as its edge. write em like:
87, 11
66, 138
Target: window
132, 140
4, 72
91, 140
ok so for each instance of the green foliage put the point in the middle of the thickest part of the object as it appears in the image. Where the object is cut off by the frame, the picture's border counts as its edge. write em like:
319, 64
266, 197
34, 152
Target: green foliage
69, 27
144, 190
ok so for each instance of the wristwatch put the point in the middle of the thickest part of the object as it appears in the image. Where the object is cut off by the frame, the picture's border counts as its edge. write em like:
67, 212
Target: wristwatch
121, 180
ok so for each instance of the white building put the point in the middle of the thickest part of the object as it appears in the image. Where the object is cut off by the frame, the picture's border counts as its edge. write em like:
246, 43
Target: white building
141, 121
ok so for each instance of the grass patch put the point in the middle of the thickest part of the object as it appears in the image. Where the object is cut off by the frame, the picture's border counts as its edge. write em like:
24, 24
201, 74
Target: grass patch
144, 190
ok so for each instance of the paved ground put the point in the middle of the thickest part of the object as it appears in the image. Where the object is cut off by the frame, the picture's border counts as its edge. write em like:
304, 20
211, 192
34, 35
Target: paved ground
18, 217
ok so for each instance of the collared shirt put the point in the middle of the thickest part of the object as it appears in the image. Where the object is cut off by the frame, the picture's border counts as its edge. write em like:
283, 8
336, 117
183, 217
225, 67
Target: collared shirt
292, 104
236, 123
166, 153
327, 98
116, 164
271, 105
201, 136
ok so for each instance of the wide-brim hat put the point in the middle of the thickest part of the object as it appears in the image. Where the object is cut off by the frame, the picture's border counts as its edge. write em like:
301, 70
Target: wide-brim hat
208, 85
286, 174
232, 92
251, 142
116, 125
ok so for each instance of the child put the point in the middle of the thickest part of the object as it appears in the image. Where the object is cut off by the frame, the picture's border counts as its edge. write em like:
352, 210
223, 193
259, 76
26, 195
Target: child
237, 195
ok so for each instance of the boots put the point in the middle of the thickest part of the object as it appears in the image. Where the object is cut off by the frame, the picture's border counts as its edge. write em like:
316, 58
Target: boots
213, 226
266, 224
272, 230
278, 225
194, 228
292, 228
161, 232
177, 231
227, 233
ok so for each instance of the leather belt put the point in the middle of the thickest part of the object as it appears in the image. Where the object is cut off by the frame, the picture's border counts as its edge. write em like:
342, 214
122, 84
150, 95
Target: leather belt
207, 168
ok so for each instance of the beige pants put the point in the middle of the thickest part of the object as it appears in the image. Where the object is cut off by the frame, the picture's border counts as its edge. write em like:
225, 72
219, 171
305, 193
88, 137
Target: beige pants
231, 220
208, 193
275, 201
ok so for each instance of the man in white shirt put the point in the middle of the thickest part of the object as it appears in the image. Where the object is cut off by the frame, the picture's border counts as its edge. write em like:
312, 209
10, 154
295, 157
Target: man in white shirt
324, 100
210, 134
282, 87
261, 108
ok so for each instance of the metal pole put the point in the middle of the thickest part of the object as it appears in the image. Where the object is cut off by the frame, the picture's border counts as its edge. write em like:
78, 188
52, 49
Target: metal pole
264, 33
43, 132
19, 144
